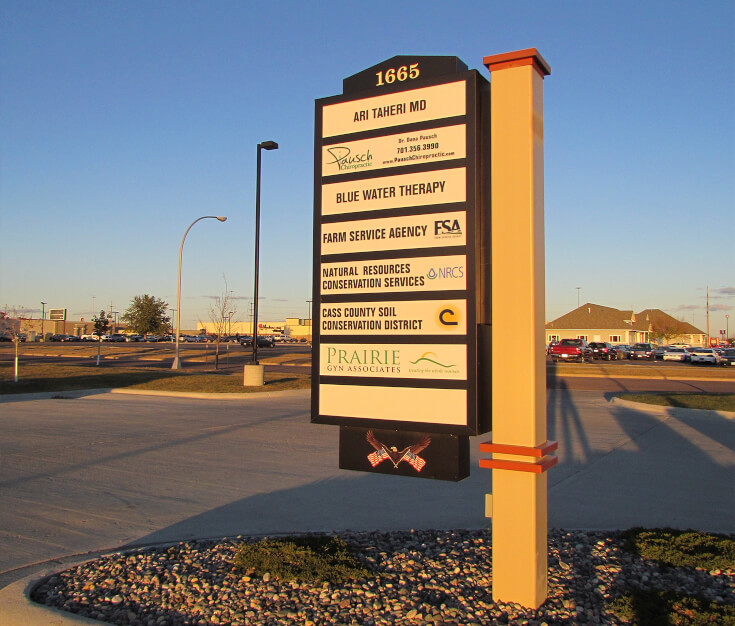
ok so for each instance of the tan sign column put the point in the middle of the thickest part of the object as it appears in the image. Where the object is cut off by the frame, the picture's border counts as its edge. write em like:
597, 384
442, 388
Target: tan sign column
519, 443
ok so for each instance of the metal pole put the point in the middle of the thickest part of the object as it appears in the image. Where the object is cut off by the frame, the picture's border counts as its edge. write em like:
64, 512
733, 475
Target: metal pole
257, 259
43, 316
177, 361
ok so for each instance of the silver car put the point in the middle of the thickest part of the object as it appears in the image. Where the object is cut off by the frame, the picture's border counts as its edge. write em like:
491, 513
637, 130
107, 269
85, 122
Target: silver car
705, 355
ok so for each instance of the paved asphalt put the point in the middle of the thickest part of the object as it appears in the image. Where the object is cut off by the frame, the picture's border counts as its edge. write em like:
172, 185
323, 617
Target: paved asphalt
104, 470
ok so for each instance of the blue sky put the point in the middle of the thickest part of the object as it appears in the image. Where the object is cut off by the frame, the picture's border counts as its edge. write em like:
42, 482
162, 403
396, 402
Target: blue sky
122, 122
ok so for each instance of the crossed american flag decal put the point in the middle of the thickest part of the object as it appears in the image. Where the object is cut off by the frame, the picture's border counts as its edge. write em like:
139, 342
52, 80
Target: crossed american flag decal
410, 454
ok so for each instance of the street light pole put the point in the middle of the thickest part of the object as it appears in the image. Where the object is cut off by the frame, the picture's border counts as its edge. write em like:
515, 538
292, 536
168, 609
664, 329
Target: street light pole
43, 316
578, 288
177, 362
266, 145
727, 328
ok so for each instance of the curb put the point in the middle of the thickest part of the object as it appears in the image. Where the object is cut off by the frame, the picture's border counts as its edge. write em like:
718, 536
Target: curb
81, 393
672, 411
210, 396
19, 610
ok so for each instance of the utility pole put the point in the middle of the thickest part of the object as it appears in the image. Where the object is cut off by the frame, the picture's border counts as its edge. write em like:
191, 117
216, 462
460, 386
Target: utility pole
708, 342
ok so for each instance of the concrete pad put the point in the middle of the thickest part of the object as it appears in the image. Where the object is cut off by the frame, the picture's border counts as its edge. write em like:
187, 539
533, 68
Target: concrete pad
96, 472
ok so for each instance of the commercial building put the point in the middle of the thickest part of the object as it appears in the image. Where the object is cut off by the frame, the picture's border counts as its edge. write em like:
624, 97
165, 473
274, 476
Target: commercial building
594, 322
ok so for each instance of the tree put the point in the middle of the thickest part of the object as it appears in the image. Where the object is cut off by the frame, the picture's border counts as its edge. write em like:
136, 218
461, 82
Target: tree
220, 314
146, 315
101, 324
667, 329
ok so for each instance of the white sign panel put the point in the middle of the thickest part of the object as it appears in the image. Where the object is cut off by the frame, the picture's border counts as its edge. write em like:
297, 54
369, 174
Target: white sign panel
433, 406
424, 146
436, 273
418, 361
405, 107
416, 317
394, 192
395, 233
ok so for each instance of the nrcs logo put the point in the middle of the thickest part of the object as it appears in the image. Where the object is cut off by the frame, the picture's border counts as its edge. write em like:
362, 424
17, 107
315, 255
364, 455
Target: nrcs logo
447, 227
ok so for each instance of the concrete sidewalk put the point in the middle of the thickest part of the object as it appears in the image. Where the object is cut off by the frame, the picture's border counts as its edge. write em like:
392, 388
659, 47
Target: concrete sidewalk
94, 473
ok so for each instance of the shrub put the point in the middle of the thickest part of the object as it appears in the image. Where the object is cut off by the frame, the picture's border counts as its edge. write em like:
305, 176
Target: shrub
312, 559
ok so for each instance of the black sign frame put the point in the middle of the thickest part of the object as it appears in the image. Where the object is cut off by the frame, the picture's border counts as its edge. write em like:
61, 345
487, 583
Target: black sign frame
476, 249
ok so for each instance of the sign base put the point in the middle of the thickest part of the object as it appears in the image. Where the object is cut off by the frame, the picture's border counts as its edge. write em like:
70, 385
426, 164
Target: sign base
404, 453
254, 376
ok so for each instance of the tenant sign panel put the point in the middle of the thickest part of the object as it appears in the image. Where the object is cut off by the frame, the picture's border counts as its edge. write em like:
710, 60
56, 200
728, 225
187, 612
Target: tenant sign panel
401, 270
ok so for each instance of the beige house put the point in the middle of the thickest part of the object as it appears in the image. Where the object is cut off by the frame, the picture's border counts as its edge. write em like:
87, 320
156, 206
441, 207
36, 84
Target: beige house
299, 328
594, 322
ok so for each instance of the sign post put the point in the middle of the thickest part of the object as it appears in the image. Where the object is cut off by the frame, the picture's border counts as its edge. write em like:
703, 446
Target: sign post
401, 267
521, 453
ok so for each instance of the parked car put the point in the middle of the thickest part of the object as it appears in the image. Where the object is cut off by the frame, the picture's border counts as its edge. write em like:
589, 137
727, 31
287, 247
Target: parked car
603, 350
71, 338
623, 350
163, 338
550, 346
117, 338
571, 350
705, 355
676, 354
642, 351
264, 341
728, 357
133, 338
659, 351
151, 338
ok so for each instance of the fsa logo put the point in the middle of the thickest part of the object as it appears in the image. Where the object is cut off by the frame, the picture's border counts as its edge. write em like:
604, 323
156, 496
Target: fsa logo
447, 227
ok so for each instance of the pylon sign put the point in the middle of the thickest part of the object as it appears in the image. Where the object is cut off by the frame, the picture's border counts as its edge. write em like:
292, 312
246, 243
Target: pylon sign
401, 261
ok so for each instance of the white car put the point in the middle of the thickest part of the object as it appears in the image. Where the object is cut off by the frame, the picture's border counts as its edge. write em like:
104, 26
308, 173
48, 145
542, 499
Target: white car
676, 354
705, 355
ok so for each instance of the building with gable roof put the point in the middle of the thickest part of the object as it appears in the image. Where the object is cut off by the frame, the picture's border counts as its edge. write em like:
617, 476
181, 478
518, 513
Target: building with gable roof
594, 322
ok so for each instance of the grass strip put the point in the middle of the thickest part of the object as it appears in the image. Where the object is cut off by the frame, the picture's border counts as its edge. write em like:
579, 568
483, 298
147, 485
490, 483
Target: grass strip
312, 559
709, 401
39, 377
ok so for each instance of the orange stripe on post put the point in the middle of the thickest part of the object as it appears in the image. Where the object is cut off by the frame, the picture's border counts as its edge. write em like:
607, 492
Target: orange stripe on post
536, 451
537, 467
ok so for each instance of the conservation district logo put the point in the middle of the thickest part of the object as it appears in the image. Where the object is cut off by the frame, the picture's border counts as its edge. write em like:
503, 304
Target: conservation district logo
410, 454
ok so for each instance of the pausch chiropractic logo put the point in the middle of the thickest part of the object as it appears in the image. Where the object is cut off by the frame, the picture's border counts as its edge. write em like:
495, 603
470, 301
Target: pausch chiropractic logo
345, 160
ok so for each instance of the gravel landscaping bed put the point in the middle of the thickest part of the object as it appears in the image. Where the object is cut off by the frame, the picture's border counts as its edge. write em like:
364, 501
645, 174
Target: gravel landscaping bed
417, 577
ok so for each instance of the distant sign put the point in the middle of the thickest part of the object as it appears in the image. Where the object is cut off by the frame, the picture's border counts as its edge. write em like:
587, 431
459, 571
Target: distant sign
57, 314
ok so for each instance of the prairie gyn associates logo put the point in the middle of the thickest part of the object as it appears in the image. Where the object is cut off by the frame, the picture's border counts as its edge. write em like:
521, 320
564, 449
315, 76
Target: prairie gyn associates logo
429, 364
346, 160
364, 361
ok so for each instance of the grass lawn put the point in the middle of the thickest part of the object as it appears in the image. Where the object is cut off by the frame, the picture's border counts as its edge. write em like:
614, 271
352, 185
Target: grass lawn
38, 377
710, 401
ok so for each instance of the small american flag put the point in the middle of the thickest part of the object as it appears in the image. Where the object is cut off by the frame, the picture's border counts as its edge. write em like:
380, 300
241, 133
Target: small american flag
414, 460
377, 457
